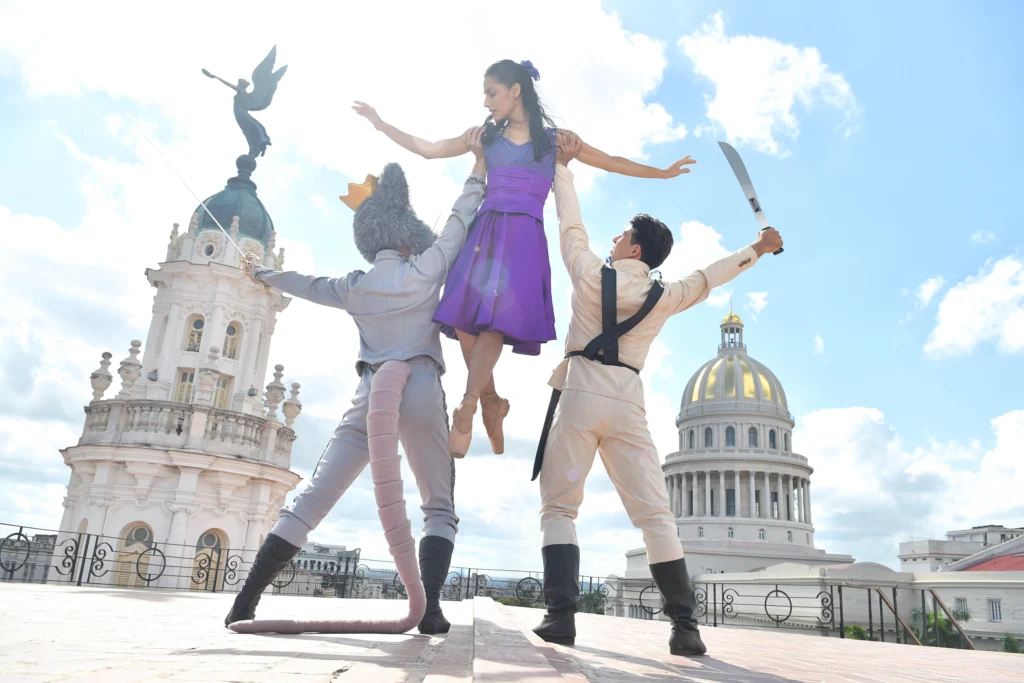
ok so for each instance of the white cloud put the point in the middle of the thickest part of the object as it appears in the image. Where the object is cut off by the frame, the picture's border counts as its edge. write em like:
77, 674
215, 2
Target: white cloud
696, 245
320, 202
757, 302
599, 87
819, 345
720, 298
928, 289
757, 83
866, 477
983, 237
984, 307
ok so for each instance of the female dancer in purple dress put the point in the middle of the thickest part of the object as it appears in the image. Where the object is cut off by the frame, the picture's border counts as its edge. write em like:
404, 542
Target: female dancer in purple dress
498, 290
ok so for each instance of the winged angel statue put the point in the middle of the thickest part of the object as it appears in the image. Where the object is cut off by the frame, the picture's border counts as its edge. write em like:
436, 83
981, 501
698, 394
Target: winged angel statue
264, 85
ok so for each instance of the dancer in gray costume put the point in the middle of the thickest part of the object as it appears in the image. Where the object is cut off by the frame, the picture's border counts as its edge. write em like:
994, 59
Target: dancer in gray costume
392, 305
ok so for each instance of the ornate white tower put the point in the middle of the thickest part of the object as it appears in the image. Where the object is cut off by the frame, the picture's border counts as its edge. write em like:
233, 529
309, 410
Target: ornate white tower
189, 461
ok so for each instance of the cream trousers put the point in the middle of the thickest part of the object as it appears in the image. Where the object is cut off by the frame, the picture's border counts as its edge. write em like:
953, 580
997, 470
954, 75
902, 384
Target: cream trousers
585, 424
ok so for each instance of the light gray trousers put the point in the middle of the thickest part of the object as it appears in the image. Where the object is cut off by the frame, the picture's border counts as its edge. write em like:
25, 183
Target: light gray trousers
423, 432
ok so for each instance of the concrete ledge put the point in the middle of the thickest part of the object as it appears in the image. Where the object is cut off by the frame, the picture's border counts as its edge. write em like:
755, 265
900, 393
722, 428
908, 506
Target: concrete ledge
501, 652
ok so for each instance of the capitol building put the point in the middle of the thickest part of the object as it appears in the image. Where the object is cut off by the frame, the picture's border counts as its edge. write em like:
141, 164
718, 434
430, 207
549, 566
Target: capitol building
740, 492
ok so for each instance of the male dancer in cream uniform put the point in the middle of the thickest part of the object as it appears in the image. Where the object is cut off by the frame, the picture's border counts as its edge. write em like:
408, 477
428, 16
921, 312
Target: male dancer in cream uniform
601, 406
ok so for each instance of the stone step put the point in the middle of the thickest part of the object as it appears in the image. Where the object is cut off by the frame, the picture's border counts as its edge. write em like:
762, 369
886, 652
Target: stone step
502, 652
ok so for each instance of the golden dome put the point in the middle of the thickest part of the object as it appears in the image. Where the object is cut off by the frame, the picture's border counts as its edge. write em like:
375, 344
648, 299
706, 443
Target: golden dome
734, 376
731, 318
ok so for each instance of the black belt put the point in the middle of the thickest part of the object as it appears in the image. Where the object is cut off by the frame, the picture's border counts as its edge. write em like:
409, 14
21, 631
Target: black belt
604, 348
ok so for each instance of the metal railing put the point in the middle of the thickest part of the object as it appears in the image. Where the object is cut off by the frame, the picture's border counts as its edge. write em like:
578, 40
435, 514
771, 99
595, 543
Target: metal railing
34, 555
824, 608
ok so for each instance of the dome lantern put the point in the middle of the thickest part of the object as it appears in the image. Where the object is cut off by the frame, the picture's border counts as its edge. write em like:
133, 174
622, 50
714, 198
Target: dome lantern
732, 332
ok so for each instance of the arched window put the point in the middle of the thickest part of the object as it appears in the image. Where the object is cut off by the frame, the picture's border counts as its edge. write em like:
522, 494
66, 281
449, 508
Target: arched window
789, 536
760, 534
752, 437
693, 439
707, 437
222, 394
194, 333
771, 439
208, 566
700, 532
785, 441
731, 533
132, 559
186, 377
730, 437
232, 335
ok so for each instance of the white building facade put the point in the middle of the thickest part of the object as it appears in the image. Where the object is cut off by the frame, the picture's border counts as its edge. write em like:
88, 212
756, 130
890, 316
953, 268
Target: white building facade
740, 494
932, 555
189, 462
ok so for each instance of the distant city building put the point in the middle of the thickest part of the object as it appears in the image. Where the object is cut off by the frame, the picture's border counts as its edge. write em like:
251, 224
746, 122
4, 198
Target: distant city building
932, 554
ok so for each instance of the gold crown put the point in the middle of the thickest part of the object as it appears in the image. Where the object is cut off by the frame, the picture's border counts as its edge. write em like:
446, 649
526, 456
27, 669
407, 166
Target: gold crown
358, 192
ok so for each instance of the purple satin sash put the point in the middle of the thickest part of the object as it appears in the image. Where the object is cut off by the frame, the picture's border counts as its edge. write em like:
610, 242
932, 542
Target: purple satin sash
513, 189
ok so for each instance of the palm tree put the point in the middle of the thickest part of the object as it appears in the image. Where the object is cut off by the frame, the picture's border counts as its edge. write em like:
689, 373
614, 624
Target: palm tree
948, 635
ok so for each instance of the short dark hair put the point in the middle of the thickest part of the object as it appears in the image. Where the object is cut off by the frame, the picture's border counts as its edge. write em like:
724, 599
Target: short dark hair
653, 237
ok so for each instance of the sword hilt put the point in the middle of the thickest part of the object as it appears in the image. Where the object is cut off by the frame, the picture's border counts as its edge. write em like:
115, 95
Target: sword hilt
775, 253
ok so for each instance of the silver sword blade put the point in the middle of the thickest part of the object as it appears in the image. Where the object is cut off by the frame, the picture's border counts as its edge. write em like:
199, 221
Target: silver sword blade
736, 163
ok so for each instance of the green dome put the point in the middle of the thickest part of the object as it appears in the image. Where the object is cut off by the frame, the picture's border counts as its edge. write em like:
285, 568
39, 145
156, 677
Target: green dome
238, 198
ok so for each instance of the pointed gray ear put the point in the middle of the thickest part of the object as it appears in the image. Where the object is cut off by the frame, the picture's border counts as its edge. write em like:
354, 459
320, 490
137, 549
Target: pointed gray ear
393, 187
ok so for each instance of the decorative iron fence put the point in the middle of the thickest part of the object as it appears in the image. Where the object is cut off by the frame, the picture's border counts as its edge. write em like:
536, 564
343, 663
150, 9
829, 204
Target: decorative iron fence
845, 610
33, 555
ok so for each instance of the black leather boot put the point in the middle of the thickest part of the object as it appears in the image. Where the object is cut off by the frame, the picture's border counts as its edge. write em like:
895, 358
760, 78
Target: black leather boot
561, 569
679, 604
435, 558
273, 556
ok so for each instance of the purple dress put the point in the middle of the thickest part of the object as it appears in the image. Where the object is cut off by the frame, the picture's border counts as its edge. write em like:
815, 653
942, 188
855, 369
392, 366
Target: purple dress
501, 280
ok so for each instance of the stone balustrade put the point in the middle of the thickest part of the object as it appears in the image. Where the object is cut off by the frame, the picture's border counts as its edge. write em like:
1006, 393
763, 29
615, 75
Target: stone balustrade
144, 422
128, 419
229, 427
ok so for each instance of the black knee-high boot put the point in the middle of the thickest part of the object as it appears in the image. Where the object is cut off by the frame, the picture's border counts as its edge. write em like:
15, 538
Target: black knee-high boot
679, 602
561, 569
273, 556
435, 559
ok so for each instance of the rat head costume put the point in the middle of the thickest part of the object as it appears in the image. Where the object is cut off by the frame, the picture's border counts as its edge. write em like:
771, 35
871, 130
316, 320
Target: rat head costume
399, 399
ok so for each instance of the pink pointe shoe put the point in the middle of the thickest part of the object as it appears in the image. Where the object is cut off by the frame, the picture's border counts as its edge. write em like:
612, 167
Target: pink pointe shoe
495, 409
458, 442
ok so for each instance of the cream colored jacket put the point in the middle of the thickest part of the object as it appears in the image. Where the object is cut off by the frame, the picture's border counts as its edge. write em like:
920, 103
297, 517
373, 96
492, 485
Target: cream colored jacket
632, 284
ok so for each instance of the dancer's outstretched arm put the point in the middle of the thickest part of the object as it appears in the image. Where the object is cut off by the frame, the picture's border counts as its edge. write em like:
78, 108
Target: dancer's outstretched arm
328, 291
442, 149
436, 261
575, 244
591, 156
691, 290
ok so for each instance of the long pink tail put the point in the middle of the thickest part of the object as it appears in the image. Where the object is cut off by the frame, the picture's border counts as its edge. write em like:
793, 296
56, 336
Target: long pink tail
385, 465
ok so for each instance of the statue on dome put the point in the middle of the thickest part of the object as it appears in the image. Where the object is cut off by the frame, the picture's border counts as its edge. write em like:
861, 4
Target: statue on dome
264, 85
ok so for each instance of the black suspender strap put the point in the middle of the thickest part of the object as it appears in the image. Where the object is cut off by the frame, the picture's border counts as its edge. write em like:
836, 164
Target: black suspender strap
609, 318
608, 340
603, 348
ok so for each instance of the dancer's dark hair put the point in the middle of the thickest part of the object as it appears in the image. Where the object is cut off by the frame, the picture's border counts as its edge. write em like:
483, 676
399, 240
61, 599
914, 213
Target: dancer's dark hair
653, 237
508, 73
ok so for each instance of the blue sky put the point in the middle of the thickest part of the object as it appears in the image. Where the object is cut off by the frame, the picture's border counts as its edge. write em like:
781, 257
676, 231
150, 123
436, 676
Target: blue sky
894, 164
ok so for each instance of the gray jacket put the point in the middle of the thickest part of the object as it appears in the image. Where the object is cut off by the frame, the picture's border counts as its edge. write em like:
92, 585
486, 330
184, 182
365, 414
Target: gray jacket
393, 303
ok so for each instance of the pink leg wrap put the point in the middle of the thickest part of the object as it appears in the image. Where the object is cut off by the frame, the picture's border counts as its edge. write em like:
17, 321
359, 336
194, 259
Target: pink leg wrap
385, 465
